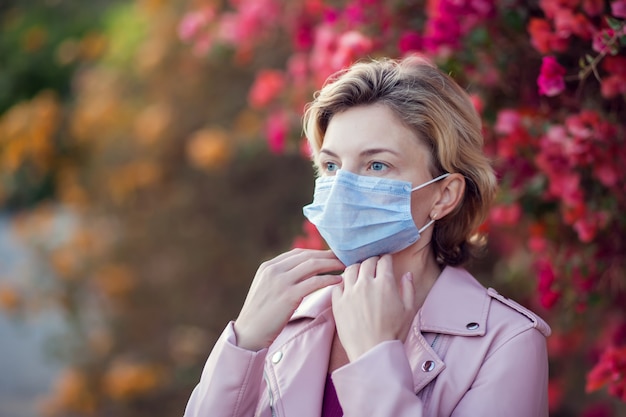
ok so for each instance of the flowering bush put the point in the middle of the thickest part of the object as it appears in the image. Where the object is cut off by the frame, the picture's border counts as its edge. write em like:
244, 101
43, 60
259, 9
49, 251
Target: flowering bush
548, 78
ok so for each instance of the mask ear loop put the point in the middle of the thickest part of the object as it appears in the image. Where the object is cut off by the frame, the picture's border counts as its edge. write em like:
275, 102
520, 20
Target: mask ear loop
431, 181
426, 226
430, 223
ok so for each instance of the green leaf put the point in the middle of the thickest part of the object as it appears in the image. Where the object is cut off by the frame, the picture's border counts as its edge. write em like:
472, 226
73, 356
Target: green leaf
614, 24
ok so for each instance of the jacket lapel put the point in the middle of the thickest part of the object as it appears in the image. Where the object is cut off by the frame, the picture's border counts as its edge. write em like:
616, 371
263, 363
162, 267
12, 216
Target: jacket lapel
456, 305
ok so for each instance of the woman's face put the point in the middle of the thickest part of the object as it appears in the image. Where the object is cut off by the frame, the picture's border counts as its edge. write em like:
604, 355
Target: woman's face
371, 140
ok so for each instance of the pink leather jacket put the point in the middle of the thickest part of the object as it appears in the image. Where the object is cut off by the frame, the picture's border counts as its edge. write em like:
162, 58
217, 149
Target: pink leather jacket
471, 352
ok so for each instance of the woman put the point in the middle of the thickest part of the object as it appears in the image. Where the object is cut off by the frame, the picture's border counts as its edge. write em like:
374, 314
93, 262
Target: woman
404, 330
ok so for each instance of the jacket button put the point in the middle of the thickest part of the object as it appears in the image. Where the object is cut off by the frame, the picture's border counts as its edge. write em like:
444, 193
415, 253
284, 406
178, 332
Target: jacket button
428, 366
472, 326
276, 357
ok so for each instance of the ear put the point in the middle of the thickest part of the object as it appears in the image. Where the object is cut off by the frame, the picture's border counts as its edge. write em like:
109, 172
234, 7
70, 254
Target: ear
451, 189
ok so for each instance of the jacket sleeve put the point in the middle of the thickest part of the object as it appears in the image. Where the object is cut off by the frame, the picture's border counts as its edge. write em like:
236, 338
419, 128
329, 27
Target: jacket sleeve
230, 381
379, 383
513, 380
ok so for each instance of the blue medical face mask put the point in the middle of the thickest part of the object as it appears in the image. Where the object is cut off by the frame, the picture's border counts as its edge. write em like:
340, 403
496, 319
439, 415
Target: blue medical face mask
360, 216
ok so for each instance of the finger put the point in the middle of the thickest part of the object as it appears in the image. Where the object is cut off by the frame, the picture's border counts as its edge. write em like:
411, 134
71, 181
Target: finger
408, 291
296, 257
384, 267
350, 275
313, 266
315, 283
368, 268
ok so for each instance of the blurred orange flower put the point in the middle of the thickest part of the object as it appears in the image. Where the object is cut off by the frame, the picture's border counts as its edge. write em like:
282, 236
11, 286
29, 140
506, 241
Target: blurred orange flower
65, 262
151, 123
126, 380
71, 394
115, 280
208, 148
132, 177
9, 299
34, 39
21, 139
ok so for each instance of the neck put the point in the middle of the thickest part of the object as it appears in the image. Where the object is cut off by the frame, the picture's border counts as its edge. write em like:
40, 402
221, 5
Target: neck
418, 259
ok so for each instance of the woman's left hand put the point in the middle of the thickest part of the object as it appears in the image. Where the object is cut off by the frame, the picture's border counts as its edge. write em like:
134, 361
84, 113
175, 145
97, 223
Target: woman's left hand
371, 306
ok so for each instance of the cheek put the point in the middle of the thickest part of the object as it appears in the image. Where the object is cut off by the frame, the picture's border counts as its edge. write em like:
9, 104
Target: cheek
420, 209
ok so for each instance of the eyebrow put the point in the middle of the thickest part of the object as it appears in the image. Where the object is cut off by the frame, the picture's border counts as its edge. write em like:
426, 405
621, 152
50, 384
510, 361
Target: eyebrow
366, 152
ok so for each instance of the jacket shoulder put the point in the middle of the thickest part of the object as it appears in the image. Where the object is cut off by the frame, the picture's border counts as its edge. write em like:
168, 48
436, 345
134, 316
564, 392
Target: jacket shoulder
536, 321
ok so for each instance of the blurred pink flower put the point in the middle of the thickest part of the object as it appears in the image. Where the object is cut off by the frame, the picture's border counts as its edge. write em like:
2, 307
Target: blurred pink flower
566, 24
350, 46
604, 40
409, 41
593, 7
193, 22
507, 121
549, 298
276, 129
267, 86
615, 83
508, 215
550, 80
618, 8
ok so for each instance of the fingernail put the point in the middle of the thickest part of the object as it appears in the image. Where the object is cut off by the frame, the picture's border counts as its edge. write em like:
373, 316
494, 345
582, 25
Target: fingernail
408, 276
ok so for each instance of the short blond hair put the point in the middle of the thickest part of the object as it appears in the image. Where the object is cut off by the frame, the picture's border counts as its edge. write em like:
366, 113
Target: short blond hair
443, 117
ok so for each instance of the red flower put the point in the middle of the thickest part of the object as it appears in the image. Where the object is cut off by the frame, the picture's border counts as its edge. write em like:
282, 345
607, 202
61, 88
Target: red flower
610, 371
550, 81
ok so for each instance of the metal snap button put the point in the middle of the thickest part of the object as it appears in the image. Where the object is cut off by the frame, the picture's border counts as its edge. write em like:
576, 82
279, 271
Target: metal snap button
428, 366
276, 357
472, 326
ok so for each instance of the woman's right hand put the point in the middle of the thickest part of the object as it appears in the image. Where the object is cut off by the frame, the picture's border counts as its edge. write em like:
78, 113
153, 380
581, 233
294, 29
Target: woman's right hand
277, 290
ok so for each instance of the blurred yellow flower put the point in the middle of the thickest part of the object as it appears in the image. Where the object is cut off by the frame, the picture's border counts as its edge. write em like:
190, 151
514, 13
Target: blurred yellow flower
126, 380
208, 148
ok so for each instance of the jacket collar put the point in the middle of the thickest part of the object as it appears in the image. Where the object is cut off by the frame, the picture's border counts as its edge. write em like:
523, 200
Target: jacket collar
456, 304
314, 304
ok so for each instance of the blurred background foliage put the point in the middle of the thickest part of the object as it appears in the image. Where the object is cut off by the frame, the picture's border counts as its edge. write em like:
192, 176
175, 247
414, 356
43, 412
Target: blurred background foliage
150, 180
134, 171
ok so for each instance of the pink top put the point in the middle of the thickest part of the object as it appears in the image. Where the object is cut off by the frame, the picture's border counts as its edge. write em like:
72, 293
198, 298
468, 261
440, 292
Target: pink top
330, 404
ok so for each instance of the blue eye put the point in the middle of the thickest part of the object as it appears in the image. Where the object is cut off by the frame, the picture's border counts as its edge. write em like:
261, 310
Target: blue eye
330, 166
378, 166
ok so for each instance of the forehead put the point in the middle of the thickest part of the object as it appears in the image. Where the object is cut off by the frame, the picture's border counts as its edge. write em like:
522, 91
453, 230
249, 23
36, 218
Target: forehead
372, 126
